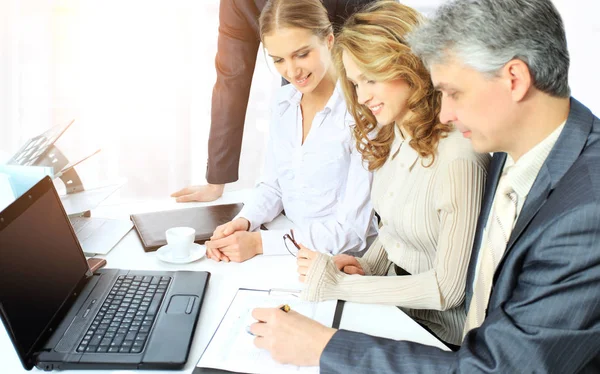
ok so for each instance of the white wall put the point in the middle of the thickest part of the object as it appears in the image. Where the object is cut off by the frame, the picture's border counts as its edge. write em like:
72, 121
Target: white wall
582, 24
53, 66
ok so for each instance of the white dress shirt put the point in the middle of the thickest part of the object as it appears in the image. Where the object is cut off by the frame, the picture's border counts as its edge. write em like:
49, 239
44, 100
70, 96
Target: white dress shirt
322, 185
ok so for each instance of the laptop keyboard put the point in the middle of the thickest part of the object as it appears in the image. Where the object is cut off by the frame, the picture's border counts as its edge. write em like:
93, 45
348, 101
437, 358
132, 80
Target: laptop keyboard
124, 321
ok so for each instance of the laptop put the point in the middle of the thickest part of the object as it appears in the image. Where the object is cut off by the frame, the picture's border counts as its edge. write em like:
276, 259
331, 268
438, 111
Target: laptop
61, 316
97, 236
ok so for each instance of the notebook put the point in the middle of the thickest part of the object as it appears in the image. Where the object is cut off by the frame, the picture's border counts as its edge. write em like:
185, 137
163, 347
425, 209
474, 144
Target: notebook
232, 349
151, 226
60, 315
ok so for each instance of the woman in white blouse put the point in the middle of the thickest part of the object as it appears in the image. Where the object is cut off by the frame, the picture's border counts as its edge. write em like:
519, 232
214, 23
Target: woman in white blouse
312, 168
427, 186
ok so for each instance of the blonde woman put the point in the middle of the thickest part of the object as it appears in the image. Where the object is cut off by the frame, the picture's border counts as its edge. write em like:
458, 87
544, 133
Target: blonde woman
312, 169
427, 187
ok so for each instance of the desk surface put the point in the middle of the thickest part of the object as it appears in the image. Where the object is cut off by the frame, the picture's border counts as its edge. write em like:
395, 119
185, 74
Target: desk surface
260, 272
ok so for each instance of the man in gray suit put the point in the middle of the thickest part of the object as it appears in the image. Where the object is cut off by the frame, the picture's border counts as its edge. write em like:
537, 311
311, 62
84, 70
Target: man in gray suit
533, 286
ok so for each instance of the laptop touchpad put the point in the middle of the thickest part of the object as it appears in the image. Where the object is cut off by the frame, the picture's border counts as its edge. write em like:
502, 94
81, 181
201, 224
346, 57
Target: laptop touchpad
181, 304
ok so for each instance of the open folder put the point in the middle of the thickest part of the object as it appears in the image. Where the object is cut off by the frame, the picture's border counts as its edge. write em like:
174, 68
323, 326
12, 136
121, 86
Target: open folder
232, 349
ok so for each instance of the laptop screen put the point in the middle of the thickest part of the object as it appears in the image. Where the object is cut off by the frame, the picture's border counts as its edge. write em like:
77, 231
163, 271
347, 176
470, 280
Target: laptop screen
41, 263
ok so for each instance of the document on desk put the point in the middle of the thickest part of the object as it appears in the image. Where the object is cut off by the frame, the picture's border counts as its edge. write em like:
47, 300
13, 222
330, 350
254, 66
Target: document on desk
232, 347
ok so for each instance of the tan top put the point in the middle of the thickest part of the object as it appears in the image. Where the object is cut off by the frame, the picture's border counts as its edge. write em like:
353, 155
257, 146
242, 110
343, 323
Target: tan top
428, 217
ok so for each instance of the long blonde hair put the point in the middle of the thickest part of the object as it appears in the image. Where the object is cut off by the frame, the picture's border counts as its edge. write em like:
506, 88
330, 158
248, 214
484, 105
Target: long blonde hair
304, 14
374, 39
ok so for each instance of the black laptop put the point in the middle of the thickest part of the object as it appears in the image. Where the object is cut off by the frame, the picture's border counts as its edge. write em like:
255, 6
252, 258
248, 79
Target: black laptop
61, 316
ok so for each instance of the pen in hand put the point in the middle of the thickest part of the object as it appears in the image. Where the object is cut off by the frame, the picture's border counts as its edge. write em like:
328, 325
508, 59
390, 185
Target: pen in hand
286, 308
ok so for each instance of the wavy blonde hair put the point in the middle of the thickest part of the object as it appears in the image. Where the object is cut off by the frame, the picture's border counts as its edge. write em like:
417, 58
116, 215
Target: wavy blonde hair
374, 39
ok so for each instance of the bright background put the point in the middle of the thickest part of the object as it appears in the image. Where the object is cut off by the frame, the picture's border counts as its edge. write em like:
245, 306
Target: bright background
138, 75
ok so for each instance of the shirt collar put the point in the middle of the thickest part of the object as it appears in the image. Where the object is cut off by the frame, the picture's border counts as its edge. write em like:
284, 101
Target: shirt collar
293, 97
522, 174
335, 105
407, 155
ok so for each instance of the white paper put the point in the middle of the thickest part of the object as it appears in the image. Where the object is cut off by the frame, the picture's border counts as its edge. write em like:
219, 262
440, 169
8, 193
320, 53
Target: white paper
403, 328
232, 347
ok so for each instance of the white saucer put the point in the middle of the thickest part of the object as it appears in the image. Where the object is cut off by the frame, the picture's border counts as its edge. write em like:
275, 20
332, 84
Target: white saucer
197, 251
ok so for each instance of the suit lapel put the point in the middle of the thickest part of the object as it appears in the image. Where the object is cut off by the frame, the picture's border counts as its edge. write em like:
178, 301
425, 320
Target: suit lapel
565, 152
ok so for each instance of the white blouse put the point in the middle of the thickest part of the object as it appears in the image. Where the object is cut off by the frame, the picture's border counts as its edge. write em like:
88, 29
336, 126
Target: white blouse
322, 184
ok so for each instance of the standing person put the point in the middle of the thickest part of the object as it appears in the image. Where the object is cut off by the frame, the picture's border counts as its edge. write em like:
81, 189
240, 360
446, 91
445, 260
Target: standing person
427, 186
312, 168
236, 57
532, 290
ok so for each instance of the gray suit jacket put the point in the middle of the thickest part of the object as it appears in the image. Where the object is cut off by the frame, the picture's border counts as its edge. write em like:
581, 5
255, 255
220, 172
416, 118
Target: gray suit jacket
544, 310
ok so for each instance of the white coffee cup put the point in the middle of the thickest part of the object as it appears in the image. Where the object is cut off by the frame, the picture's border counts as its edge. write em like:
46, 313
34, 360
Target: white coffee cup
180, 240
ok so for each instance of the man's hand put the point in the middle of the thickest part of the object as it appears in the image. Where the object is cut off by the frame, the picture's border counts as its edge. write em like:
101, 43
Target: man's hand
207, 192
348, 264
238, 247
291, 338
305, 259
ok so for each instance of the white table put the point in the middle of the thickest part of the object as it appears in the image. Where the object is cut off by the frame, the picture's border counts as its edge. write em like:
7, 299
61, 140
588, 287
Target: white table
261, 272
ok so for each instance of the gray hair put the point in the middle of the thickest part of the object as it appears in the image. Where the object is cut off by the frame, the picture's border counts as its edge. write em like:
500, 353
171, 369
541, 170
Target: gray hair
487, 34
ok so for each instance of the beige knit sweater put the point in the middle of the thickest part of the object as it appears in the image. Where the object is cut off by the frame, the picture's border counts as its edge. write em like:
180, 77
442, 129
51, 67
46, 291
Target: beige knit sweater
428, 219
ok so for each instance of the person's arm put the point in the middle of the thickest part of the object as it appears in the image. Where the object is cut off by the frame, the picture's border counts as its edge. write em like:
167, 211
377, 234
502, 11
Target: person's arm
548, 322
351, 352
375, 261
237, 47
440, 288
235, 61
231, 241
347, 230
